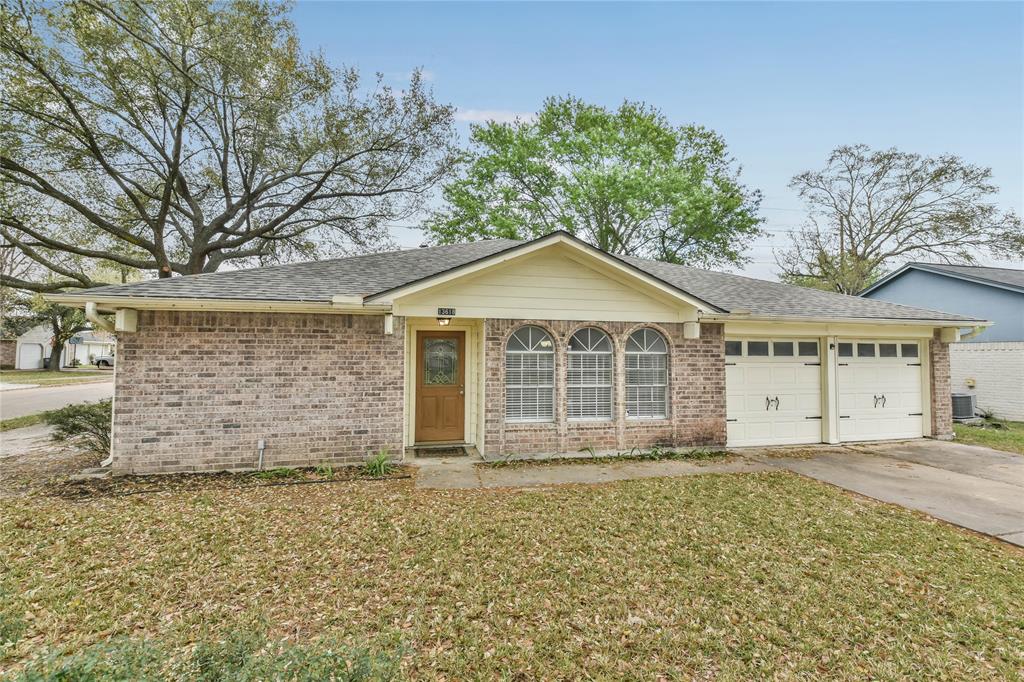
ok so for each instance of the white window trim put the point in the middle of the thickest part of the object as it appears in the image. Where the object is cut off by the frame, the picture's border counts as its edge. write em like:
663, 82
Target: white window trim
664, 387
610, 385
550, 387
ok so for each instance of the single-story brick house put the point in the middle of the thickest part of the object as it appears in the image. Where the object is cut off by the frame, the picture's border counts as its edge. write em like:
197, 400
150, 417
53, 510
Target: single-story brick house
512, 348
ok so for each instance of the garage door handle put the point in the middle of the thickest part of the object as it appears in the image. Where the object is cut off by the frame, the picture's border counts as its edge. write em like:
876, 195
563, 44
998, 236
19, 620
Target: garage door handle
776, 403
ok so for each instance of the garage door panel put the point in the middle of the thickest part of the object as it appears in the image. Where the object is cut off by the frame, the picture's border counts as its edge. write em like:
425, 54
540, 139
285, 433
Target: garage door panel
879, 397
773, 400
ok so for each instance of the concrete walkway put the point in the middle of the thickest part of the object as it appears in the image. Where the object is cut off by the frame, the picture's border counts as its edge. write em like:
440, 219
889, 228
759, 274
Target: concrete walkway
463, 472
970, 486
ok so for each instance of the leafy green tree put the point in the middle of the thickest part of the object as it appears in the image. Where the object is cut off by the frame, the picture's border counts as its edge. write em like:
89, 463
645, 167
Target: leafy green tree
871, 211
63, 322
180, 135
626, 181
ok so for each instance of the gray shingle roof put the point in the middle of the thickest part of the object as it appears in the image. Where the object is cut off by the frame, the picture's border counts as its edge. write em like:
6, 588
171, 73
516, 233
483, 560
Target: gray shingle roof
1006, 276
319, 281
316, 280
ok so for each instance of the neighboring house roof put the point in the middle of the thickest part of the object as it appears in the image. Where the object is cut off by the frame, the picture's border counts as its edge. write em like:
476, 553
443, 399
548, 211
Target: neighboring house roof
375, 275
1002, 278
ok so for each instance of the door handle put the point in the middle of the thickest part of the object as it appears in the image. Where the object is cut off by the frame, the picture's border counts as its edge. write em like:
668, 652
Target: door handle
462, 390
767, 403
776, 403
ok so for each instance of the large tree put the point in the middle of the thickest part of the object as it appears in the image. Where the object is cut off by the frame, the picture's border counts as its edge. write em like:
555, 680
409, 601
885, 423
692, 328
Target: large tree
870, 211
180, 135
625, 180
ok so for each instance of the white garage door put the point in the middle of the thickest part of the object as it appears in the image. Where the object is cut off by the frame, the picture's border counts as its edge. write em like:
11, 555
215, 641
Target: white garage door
30, 356
879, 384
773, 391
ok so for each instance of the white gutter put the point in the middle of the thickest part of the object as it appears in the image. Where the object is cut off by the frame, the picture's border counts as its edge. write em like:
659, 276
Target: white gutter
92, 314
112, 303
744, 317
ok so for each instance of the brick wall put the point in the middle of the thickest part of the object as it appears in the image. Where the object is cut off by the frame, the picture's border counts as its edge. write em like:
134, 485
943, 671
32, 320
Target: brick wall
8, 353
196, 390
696, 395
942, 406
997, 369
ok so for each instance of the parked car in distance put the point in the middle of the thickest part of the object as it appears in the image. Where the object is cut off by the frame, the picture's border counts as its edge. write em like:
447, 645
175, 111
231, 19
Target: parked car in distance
104, 360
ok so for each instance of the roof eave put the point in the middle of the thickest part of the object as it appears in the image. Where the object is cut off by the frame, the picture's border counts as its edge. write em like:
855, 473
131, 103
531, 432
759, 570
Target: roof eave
922, 322
342, 305
924, 267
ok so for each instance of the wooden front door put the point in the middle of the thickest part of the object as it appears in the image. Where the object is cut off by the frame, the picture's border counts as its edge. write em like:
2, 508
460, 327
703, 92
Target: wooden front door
440, 386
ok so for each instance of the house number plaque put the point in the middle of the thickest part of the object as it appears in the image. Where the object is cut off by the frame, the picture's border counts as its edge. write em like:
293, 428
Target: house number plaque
446, 312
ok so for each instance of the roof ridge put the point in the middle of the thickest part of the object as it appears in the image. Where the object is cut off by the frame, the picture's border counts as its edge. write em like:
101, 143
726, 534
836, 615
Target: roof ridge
960, 265
278, 266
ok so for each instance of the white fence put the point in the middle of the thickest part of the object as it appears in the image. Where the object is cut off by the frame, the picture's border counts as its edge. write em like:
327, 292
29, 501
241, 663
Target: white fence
997, 370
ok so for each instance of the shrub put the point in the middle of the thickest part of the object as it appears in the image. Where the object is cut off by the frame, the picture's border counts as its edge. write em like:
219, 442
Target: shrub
379, 465
88, 423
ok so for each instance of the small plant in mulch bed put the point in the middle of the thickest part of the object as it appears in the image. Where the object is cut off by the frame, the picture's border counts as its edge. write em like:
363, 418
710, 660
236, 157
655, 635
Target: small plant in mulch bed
656, 453
86, 423
379, 465
278, 474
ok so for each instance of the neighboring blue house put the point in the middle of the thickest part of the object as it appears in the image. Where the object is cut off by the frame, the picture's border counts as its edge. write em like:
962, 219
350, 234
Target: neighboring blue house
991, 364
995, 294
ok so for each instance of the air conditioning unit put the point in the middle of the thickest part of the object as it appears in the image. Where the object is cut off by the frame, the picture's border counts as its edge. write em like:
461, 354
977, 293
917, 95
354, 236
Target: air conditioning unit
963, 407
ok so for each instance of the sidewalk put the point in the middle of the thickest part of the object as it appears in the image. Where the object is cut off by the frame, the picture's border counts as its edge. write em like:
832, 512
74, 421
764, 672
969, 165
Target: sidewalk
466, 472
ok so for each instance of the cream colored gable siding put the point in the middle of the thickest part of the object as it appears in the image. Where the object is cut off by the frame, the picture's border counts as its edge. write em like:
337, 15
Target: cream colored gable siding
548, 285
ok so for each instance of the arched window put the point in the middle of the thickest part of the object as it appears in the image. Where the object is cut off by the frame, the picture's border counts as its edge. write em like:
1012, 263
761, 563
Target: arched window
530, 376
589, 381
646, 375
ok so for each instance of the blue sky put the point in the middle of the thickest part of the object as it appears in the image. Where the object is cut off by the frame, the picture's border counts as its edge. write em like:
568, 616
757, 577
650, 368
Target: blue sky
784, 83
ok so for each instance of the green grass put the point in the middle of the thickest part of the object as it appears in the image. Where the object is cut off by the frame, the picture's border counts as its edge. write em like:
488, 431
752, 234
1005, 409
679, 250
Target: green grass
44, 377
733, 577
1010, 438
23, 421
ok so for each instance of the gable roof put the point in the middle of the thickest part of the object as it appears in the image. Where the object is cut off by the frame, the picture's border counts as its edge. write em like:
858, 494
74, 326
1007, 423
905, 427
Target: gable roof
1002, 278
373, 276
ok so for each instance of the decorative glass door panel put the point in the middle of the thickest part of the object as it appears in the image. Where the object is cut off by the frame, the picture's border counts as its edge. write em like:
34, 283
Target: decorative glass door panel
440, 386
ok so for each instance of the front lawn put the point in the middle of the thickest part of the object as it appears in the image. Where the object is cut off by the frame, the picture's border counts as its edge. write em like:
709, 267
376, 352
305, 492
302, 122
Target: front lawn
1010, 438
715, 576
43, 377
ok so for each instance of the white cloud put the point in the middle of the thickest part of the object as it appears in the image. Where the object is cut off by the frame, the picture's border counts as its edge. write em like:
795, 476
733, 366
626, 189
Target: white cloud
496, 115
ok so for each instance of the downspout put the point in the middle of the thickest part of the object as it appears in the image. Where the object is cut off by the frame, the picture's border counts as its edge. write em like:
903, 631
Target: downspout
103, 323
93, 315
971, 334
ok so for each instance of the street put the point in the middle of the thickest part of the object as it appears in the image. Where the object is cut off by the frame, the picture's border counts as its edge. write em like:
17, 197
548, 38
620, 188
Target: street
20, 402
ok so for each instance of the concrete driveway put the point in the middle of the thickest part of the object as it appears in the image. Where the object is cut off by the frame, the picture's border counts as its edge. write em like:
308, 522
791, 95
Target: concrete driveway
23, 401
975, 487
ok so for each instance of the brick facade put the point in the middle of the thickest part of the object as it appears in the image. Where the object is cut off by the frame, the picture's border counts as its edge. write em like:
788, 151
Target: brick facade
696, 395
196, 390
942, 405
8, 353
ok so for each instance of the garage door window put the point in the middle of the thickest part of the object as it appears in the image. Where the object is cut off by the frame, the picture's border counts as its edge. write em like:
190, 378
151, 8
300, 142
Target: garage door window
846, 350
734, 348
646, 375
808, 349
865, 350
783, 349
909, 350
887, 350
757, 349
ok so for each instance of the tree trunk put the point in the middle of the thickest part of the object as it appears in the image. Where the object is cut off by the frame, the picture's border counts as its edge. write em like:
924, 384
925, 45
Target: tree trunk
55, 353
